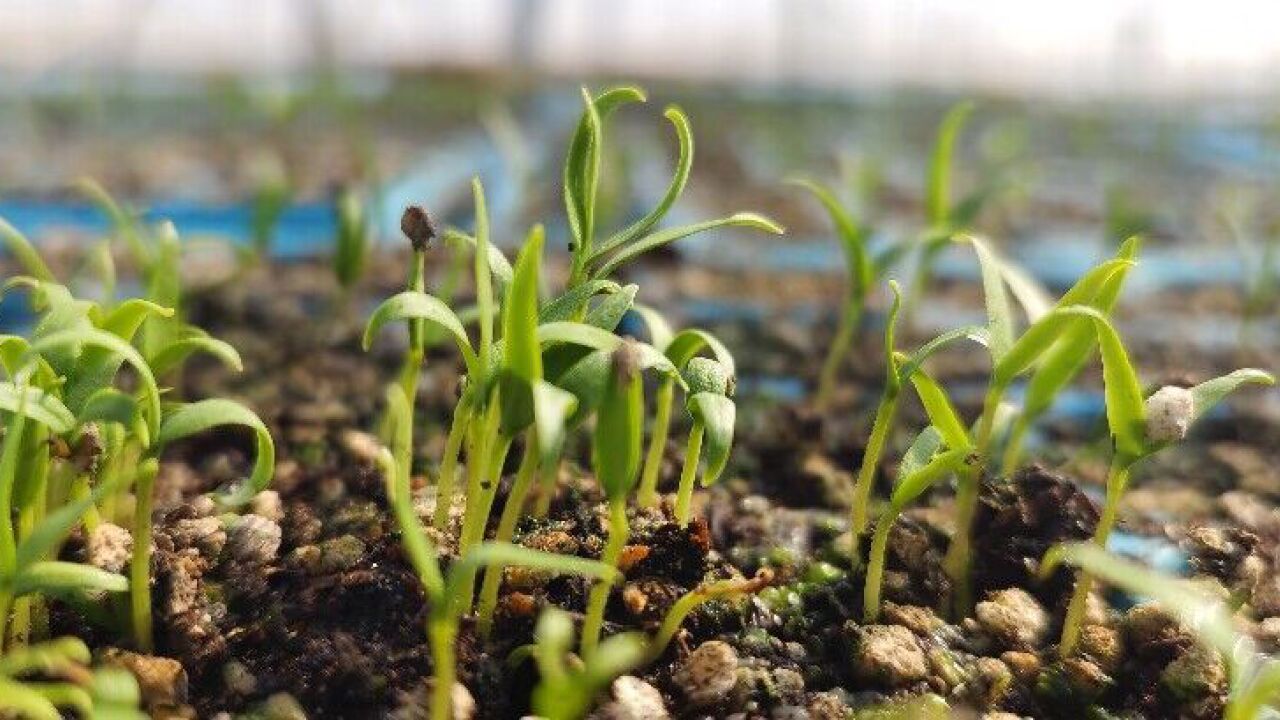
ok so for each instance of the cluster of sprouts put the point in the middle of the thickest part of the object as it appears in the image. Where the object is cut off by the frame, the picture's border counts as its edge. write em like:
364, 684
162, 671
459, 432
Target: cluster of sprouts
538, 367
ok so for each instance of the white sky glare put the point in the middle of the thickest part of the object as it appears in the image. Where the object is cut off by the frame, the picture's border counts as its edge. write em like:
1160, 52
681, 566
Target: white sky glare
1140, 47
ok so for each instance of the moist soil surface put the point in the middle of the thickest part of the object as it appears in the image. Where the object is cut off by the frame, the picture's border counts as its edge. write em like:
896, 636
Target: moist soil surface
331, 619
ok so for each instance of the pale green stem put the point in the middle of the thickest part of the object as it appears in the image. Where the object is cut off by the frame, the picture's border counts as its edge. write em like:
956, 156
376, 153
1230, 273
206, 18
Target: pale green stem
449, 464
546, 489
480, 437
880, 427
490, 472
959, 555
599, 599
850, 318
506, 529
1013, 448
875, 566
443, 631
692, 454
79, 491
1117, 479
140, 565
647, 495
986, 423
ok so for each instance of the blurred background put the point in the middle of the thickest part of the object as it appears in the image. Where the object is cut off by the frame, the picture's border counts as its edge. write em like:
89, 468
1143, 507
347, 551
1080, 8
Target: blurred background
1094, 119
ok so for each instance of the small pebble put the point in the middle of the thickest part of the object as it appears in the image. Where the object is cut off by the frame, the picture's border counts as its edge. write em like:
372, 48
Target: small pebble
254, 538
161, 680
1025, 665
889, 655
206, 534
110, 547
709, 673
1103, 645
361, 445
1014, 617
267, 504
238, 679
283, 706
340, 553
1197, 673
632, 699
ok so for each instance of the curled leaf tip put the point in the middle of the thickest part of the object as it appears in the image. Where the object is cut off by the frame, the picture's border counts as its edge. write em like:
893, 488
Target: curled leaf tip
418, 225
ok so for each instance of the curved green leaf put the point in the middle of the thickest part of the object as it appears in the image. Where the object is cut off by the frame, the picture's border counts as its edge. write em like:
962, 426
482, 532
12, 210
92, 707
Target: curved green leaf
1211, 392
25, 702
942, 414
688, 343
126, 227
109, 405
681, 176
923, 447
858, 265
552, 409
94, 337
660, 332
522, 356
411, 305
910, 364
483, 279
1029, 293
664, 237
1061, 363
938, 187
718, 414
395, 466
1199, 612
1126, 411
34, 403
892, 384
499, 266
610, 311
24, 252
912, 486
57, 578
198, 417
582, 163
176, 353
616, 444
129, 315
999, 313
567, 306
52, 657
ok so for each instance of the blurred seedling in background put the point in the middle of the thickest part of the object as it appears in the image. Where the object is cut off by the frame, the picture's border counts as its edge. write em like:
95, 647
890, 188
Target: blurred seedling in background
1139, 427
1254, 678
40, 681
63, 378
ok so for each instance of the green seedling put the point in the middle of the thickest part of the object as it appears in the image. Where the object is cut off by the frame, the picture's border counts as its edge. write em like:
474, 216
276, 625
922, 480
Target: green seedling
712, 414
351, 244
1139, 428
1254, 679
594, 261
569, 685
924, 464
40, 681
1051, 342
271, 198
1077, 342
679, 348
76, 351
449, 594
863, 271
899, 370
615, 455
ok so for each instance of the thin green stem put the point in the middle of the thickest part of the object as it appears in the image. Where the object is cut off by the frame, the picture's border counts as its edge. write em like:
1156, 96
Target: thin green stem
546, 489
647, 495
850, 318
986, 423
959, 555
875, 566
599, 598
79, 491
449, 463
880, 427
1013, 448
692, 454
506, 529
140, 564
443, 632
1117, 479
